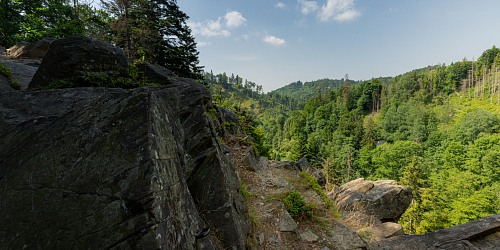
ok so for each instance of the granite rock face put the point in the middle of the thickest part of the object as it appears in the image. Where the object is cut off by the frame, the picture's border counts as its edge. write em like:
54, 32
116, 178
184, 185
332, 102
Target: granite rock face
380, 201
94, 168
482, 234
74, 56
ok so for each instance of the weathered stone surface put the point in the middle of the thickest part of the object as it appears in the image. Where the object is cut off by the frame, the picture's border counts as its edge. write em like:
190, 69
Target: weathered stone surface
382, 231
290, 165
92, 169
279, 184
5, 84
310, 196
250, 161
480, 234
18, 50
40, 48
346, 238
22, 72
2, 49
287, 224
264, 161
382, 200
72, 57
309, 236
95, 168
155, 73
228, 121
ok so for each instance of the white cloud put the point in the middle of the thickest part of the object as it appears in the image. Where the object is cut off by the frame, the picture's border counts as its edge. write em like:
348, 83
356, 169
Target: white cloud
274, 40
347, 15
280, 5
340, 10
208, 28
308, 6
234, 19
245, 37
201, 44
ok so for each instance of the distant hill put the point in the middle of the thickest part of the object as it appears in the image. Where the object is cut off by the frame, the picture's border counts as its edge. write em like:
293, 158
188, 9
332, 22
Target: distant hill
303, 91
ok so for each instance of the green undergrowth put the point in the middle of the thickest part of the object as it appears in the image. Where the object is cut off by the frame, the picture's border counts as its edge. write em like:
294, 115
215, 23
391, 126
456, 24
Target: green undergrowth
312, 183
106, 76
244, 191
296, 206
127, 77
5, 71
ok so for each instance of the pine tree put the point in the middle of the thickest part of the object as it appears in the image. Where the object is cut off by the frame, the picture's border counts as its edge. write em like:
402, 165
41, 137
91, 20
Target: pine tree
413, 178
158, 34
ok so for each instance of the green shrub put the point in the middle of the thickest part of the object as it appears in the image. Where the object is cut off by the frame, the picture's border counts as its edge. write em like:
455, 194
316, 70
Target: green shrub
296, 206
5, 71
59, 84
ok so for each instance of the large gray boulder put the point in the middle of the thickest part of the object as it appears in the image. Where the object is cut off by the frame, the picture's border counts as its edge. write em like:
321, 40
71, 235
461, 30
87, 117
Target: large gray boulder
31, 51
19, 50
74, 56
99, 168
250, 161
346, 238
381, 201
482, 234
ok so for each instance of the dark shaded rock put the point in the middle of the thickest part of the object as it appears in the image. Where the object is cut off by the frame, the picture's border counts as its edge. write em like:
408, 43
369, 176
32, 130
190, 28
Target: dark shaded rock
95, 168
5, 84
22, 72
290, 165
72, 57
2, 49
19, 50
320, 177
480, 234
228, 121
380, 200
40, 48
250, 161
346, 238
286, 223
155, 73
303, 165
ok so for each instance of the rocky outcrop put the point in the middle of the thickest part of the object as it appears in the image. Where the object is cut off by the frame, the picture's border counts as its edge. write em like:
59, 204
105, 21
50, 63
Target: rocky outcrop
381, 231
346, 238
482, 234
28, 50
72, 57
301, 165
379, 201
250, 161
19, 49
227, 121
94, 168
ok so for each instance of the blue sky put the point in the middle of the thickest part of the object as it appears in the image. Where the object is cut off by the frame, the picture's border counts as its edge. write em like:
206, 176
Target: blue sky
274, 43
